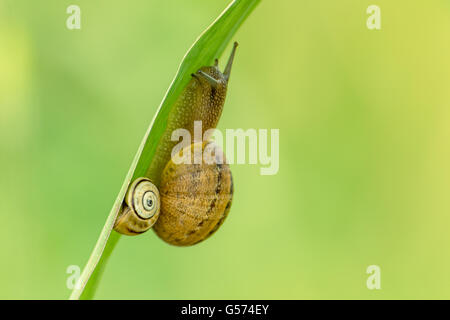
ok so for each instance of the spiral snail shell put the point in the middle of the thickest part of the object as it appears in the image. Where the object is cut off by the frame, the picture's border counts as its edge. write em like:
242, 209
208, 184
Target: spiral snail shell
141, 208
195, 198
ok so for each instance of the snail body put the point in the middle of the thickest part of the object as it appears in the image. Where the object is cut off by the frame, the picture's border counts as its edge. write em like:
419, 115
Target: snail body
193, 198
202, 100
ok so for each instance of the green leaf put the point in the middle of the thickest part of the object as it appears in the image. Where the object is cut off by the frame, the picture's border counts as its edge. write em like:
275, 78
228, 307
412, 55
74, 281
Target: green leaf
210, 45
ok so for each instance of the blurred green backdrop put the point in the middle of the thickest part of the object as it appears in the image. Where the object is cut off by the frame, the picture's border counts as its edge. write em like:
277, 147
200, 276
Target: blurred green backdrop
364, 148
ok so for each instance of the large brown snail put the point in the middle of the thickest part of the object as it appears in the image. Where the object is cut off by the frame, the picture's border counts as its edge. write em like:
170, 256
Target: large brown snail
185, 202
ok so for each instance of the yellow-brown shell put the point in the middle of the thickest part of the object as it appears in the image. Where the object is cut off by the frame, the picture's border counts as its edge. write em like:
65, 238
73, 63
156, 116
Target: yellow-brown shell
195, 199
141, 208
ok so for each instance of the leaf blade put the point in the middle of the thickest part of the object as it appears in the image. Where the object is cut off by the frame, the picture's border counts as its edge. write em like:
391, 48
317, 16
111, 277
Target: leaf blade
208, 46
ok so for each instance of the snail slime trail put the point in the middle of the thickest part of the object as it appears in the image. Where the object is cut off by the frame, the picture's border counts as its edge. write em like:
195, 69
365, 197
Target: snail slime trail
185, 203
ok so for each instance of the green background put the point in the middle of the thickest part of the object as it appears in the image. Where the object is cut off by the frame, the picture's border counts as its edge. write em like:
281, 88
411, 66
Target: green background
364, 121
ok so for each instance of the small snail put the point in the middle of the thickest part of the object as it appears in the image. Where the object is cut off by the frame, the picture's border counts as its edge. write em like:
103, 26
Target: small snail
141, 208
194, 199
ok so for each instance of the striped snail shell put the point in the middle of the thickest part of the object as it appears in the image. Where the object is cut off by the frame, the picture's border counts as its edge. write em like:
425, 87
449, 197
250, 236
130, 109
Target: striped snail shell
141, 208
